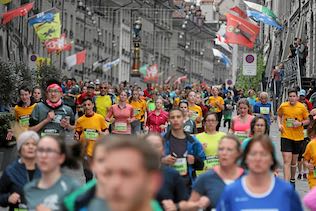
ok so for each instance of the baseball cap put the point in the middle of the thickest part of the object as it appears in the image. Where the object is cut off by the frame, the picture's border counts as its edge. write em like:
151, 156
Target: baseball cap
302, 92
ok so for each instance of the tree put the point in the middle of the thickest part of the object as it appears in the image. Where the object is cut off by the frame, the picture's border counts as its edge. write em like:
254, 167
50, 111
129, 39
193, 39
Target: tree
46, 73
251, 82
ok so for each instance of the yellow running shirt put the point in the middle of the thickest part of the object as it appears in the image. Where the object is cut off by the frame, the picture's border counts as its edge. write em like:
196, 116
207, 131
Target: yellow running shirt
212, 102
290, 113
89, 129
103, 104
197, 112
139, 108
211, 142
22, 114
310, 155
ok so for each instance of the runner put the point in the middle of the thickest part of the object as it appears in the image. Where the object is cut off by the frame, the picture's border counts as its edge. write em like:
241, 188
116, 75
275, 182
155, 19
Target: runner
302, 170
216, 103
52, 117
140, 112
195, 111
210, 140
259, 189
182, 151
264, 107
157, 120
189, 124
292, 116
123, 115
70, 95
310, 155
131, 185
90, 93
49, 190
173, 187
103, 102
241, 123
228, 109
24, 107
200, 102
259, 126
37, 94
20, 172
88, 129
209, 186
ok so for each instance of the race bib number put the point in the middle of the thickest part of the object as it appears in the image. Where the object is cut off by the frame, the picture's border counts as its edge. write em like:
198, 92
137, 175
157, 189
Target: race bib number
194, 115
229, 106
57, 119
290, 122
181, 166
50, 132
210, 162
264, 110
24, 121
136, 111
213, 109
305, 133
120, 126
241, 135
90, 134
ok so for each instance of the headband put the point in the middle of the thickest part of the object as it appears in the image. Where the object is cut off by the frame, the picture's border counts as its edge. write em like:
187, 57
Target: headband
54, 86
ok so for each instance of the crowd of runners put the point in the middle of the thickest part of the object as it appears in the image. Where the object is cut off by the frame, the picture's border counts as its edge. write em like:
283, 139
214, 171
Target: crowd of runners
94, 146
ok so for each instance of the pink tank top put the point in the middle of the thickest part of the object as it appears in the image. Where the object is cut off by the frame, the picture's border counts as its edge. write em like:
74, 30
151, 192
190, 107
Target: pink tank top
240, 126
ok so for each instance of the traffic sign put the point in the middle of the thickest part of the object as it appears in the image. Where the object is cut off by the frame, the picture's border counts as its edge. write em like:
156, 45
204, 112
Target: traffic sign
249, 64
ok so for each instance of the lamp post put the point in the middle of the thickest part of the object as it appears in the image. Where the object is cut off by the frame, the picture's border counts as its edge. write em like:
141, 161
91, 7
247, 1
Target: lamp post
137, 27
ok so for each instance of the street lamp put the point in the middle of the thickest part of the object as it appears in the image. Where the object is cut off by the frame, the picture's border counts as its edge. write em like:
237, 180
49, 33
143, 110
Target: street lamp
137, 27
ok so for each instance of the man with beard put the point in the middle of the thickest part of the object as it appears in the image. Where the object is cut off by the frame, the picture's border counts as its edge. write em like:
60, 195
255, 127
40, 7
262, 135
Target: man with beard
52, 117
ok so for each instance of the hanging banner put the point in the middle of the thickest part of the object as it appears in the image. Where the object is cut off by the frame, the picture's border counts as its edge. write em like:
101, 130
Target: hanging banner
152, 74
46, 25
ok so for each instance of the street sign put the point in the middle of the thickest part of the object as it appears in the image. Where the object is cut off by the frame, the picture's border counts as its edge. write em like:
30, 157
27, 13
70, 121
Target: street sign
249, 64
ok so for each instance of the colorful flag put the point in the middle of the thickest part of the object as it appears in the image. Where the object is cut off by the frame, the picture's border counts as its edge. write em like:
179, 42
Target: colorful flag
143, 69
239, 11
152, 74
42, 17
223, 58
40, 61
20, 11
5, 1
109, 65
48, 30
240, 31
78, 58
168, 79
58, 44
261, 8
181, 79
258, 16
221, 41
97, 64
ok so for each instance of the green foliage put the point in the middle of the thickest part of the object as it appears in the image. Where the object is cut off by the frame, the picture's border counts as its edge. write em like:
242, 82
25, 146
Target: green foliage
5, 120
251, 82
47, 72
13, 75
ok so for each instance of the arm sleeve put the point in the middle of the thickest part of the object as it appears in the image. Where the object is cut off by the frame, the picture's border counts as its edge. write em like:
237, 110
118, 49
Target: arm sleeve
110, 113
199, 156
194, 128
34, 120
4, 189
199, 185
